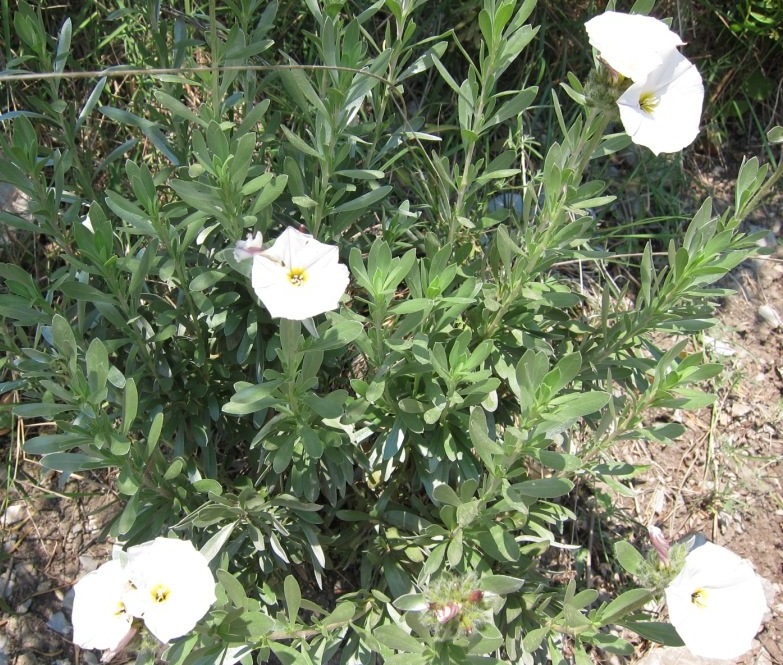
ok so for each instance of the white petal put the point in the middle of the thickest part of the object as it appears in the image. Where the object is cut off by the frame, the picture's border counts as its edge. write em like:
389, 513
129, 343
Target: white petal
716, 603
289, 244
174, 586
631, 44
100, 619
677, 90
324, 278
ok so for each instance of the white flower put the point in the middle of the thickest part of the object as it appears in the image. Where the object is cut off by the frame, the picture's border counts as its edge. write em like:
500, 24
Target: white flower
172, 586
299, 277
662, 111
716, 603
631, 44
247, 249
100, 617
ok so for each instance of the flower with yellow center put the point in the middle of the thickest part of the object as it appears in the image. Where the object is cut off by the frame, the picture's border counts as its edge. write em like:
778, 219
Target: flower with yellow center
299, 277
100, 617
171, 586
716, 603
663, 110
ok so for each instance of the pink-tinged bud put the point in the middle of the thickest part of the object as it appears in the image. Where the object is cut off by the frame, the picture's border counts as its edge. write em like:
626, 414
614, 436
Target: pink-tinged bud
476, 596
247, 249
660, 543
447, 612
614, 75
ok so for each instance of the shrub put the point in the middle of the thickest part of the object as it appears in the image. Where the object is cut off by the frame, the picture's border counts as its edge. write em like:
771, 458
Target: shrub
413, 447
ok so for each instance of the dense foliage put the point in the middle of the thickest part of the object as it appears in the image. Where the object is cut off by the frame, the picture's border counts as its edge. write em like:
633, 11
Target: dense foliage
387, 481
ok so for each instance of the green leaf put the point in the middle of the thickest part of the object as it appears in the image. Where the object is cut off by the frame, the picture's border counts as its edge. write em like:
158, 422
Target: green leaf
213, 546
576, 405
534, 638
411, 602
500, 584
70, 462
55, 443
42, 410
365, 200
445, 494
206, 279
554, 460
293, 598
775, 135
513, 107
130, 405
686, 398
498, 543
97, 361
63, 46
301, 146
485, 447
154, 434
85, 293
91, 103
174, 469
657, 631
63, 338
339, 334
545, 488
628, 557
612, 644
303, 93
177, 108
233, 588
341, 614
624, 604
394, 637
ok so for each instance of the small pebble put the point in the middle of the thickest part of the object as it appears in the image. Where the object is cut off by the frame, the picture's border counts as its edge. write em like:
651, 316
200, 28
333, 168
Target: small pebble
13, 514
718, 347
22, 608
59, 624
4, 647
7, 585
770, 315
68, 600
87, 564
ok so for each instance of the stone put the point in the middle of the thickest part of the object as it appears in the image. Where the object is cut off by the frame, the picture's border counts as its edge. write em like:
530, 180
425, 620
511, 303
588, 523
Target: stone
5, 646
59, 624
770, 315
13, 514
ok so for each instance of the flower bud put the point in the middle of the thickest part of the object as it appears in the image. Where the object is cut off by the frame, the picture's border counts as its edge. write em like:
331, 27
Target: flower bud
659, 542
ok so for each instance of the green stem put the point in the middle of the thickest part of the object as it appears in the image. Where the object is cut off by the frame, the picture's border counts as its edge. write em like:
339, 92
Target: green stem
213, 38
464, 183
590, 139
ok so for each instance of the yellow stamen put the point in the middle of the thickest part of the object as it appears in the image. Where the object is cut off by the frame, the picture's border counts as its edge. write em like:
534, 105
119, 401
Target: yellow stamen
699, 598
648, 101
297, 276
159, 593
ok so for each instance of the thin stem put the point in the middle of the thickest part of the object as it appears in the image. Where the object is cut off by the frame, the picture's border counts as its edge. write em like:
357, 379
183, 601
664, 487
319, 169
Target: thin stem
120, 71
214, 65
589, 140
